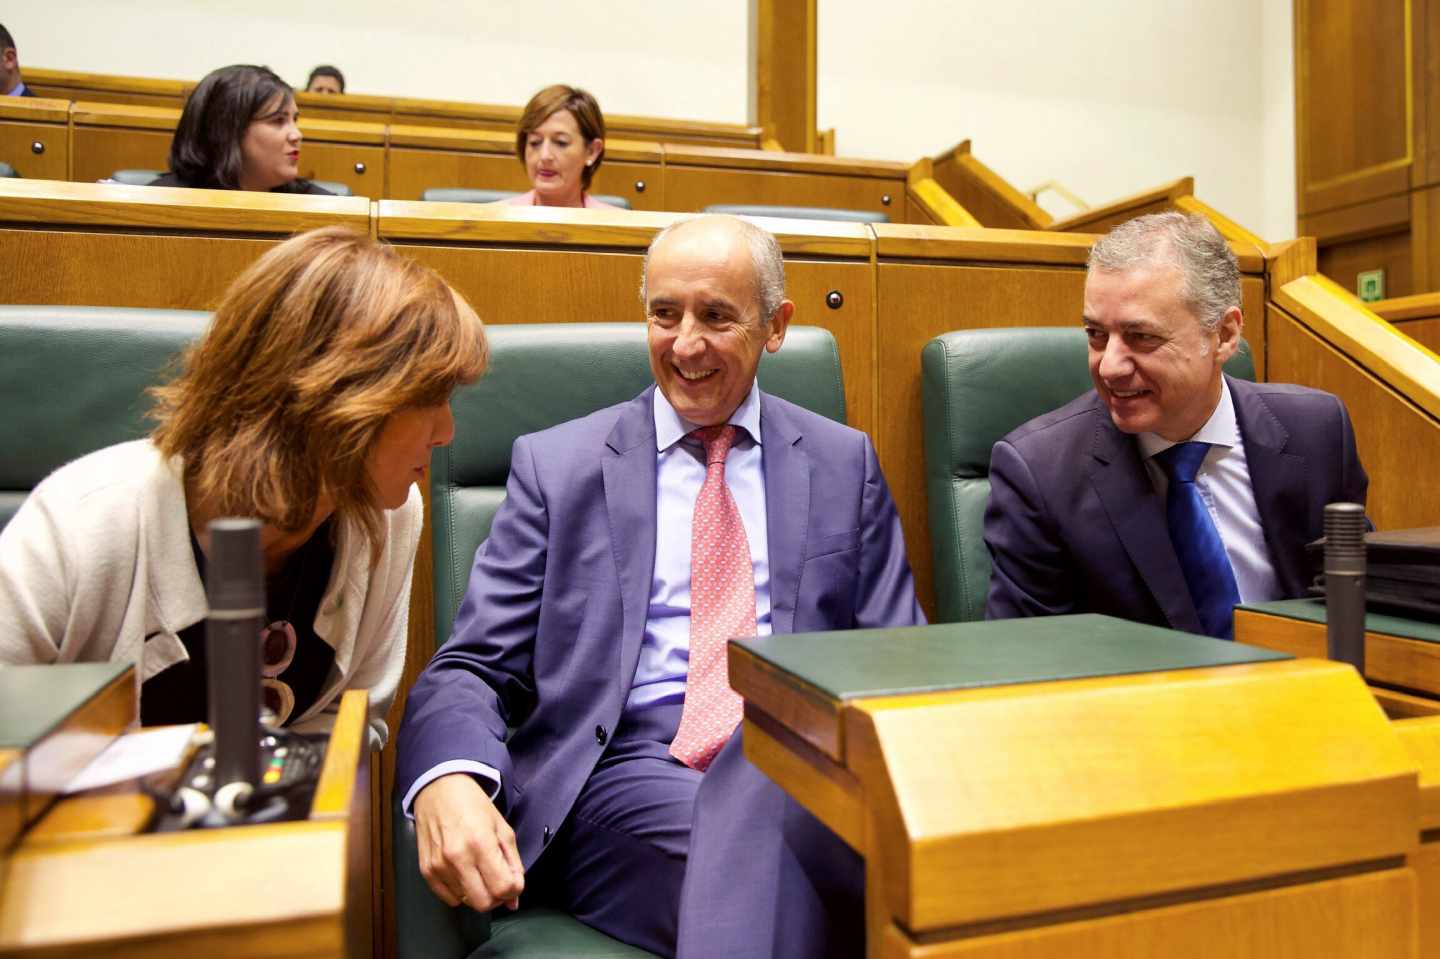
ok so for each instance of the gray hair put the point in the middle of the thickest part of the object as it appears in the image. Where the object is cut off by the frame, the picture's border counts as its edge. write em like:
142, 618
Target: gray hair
1209, 270
765, 255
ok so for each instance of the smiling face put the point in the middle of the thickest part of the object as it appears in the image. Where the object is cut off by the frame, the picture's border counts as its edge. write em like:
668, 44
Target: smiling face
1155, 367
556, 155
402, 450
270, 149
705, 331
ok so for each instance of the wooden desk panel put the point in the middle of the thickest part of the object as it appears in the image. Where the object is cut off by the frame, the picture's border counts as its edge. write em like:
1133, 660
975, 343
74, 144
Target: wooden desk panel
100, 151
26, 122
1359, 917
124, 269
361, 168
1394, 660
689, 189
17, 148
413, 171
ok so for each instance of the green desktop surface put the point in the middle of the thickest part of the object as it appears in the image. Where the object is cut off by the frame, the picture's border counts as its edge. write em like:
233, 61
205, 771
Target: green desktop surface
1313, 611
35, 700
919, 659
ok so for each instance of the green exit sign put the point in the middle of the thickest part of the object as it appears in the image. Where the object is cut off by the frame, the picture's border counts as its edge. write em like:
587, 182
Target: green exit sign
1370, 285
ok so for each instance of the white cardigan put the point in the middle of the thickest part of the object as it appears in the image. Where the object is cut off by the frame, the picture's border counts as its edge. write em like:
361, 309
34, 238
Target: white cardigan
97, 565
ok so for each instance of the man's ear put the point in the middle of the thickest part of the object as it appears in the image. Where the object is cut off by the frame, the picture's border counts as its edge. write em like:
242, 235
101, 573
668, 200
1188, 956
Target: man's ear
779, 323
1232, 324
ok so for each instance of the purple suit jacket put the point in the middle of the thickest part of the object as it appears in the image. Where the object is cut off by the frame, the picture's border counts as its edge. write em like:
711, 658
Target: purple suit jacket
1074, 525
548, 635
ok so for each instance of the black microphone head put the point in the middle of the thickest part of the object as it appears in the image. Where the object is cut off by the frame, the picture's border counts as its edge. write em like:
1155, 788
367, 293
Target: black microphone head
235, 572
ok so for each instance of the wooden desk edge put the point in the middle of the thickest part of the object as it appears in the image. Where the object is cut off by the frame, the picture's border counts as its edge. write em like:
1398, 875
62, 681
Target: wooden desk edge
334, 792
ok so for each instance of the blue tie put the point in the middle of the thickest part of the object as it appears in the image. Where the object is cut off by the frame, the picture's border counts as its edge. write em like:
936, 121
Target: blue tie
1197, 542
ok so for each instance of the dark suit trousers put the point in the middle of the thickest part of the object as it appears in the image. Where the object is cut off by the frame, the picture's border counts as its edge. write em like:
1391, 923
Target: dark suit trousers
619, 861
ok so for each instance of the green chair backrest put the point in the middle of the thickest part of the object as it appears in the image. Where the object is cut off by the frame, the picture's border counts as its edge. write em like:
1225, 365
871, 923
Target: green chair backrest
8, 172
544, 374
977, 386
73, 380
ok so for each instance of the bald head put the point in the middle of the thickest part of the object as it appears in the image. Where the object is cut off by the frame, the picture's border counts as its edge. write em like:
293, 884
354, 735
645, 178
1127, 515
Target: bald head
766, 262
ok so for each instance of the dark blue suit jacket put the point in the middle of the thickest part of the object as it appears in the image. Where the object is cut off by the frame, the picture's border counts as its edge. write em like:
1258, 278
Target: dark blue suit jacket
548, 635
1074, 525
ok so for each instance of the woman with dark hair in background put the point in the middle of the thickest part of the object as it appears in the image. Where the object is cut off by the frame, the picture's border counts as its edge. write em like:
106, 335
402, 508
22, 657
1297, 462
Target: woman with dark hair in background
312, 404
238, 132
561, 141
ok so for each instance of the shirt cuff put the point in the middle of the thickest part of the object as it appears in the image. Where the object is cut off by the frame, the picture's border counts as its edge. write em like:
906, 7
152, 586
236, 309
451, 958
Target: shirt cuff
488, 777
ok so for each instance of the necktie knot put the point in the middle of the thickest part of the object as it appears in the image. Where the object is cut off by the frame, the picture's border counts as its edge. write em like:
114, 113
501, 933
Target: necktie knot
1181, 462
717, 441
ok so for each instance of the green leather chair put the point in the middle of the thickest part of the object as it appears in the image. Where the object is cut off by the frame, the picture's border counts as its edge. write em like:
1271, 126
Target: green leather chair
8, 172
977, 386
438, 194
799, 212
73, 380
539, 376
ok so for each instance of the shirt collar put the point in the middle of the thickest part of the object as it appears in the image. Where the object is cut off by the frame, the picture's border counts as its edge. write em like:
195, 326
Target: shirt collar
1220, 429
671, 427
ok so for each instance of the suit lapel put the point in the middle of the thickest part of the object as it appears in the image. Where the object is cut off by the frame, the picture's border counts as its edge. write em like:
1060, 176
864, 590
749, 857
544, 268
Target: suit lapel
787, 509
1275, 478
1139, 520
629, 466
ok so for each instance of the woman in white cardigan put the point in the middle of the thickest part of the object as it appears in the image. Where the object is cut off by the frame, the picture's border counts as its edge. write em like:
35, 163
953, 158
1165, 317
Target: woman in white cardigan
312, 403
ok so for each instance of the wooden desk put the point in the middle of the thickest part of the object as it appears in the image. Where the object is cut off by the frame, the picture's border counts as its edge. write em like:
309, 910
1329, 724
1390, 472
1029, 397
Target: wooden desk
1242, 809
1398, 652
296, 889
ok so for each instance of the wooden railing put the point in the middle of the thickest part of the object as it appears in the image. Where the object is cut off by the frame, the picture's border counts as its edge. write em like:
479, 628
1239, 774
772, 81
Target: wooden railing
1320, 335
1418, 317
145, 91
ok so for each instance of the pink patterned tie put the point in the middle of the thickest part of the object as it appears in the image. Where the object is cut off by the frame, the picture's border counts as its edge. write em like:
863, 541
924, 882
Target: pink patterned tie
722, 606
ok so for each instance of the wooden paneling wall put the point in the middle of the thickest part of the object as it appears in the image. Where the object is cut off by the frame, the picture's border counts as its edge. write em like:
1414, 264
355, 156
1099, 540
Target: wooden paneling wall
1367, 128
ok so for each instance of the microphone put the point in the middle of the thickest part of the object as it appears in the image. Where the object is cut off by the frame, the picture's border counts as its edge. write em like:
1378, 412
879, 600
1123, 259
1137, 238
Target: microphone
1345, 584
235, 587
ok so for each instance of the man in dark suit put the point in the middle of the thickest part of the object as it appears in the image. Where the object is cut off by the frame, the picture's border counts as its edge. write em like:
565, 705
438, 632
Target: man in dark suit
1087, 511
11, 83
595, 618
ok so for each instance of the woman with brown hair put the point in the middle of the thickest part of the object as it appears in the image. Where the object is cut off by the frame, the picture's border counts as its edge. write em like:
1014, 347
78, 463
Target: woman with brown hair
561, 142
312, 403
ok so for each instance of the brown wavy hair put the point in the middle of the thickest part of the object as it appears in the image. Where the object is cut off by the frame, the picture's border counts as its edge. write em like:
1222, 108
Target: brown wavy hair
278, 405
582, 106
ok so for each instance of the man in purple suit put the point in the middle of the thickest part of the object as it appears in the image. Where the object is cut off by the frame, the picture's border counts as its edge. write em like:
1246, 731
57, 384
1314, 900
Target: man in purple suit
1093, 507
538, 748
